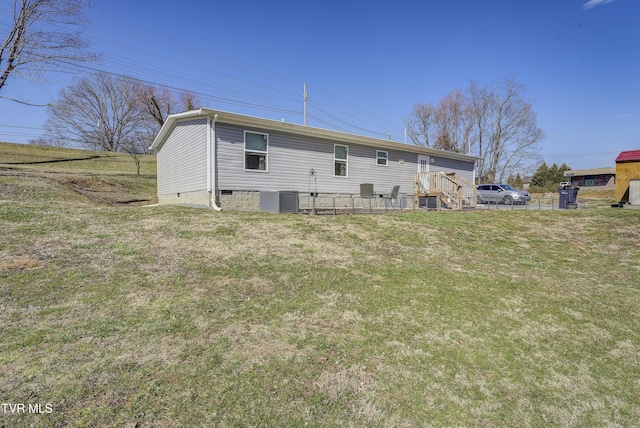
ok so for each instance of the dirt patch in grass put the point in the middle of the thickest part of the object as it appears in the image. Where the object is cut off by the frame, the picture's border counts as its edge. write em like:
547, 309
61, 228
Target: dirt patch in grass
20, 264
357, 387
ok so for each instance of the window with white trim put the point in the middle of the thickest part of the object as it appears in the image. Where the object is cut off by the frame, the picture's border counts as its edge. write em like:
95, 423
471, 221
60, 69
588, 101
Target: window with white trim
340, 160
382, 158
256, 146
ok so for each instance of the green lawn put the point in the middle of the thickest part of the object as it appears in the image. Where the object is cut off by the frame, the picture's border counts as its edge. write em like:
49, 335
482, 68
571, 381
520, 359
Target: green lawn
171, 316
47, 173
52, 159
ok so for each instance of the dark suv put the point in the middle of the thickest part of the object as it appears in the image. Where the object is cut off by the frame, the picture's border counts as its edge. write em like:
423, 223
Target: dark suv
502, 194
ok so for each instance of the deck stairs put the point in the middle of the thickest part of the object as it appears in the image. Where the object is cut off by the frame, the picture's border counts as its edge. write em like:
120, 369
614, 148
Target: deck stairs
450, 190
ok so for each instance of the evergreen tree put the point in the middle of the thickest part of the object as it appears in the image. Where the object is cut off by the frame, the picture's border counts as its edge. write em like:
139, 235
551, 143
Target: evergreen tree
517, 182
539, 178
553, 176
548, 177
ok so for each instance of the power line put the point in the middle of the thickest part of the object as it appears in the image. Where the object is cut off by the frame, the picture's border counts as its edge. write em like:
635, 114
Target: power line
194, 52
338, 120
23, 102
581, 155
217, 78
19, 127
20, 134
204, 95
348, 112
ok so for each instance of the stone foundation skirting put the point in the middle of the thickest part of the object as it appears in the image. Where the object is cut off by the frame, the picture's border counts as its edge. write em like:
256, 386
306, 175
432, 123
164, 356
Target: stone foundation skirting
239, 200
250, 201
242, 200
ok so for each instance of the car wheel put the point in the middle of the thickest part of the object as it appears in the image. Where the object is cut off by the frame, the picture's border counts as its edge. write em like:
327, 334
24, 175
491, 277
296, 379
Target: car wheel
507, 200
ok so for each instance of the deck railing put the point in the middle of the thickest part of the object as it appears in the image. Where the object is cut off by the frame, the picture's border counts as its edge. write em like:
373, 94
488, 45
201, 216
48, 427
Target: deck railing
450, 189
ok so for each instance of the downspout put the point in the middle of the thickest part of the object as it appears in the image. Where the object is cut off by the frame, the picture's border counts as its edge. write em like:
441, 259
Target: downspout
212, 161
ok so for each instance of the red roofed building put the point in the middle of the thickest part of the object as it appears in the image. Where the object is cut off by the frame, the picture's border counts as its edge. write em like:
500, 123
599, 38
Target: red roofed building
630, 156
628, 177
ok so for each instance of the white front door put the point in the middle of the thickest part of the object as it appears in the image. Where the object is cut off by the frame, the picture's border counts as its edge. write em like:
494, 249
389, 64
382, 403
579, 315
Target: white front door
423, 166
423, 163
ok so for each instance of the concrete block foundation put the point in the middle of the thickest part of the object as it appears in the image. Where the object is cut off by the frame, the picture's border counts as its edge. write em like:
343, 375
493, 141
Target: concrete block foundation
242, 200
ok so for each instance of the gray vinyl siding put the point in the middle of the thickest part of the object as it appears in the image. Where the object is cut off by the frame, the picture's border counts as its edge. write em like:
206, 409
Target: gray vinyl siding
182, 160
464, 169
291, 157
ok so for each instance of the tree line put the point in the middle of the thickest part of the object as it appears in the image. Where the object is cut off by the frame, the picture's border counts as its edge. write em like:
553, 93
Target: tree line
546, 178
549, 177
112, 113
494, 122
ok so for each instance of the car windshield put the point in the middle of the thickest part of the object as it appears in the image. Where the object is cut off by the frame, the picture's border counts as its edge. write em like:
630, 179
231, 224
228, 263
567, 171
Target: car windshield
507, 187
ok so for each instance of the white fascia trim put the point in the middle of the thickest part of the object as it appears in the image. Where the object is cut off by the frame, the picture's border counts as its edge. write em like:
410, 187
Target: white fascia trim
168, 126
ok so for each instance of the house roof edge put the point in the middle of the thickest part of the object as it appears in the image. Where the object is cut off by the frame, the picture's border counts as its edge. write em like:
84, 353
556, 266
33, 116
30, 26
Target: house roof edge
270, 124
628, 156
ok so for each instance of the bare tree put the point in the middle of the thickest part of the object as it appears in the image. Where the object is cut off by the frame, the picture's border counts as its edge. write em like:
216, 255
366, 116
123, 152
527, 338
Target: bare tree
102, 112
447, 126
136, 148
157, 102
421, 125
453, 123
46, 142
494, 122
189, 101
160, 101
43, 36
479, 114
506, 129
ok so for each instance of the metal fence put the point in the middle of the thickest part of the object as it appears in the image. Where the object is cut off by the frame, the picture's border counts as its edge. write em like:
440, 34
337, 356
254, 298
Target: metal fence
540, 203
334, 205
357, 204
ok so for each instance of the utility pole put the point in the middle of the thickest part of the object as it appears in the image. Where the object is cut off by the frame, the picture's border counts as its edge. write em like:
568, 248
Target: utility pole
306, 96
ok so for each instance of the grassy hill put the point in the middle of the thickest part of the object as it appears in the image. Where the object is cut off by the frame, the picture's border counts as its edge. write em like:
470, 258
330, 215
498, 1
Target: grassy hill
121, 315
73, 174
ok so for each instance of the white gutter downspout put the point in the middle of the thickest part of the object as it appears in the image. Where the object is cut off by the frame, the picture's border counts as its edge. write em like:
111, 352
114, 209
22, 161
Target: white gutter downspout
211, 161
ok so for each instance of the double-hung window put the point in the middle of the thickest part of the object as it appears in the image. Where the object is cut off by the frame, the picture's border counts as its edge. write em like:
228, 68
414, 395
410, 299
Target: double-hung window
382, 158
340, 160
256, 146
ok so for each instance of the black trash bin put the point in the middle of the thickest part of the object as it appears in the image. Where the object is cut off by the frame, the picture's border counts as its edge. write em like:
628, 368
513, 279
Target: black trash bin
568, 197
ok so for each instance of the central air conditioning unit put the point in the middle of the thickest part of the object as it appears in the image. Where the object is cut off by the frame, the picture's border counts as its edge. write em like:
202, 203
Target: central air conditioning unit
279, 202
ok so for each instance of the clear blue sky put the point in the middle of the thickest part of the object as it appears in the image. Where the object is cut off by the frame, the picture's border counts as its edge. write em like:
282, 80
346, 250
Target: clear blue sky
368, 62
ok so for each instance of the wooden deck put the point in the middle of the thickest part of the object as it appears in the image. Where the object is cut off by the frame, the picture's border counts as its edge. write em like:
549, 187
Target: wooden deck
450, 190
